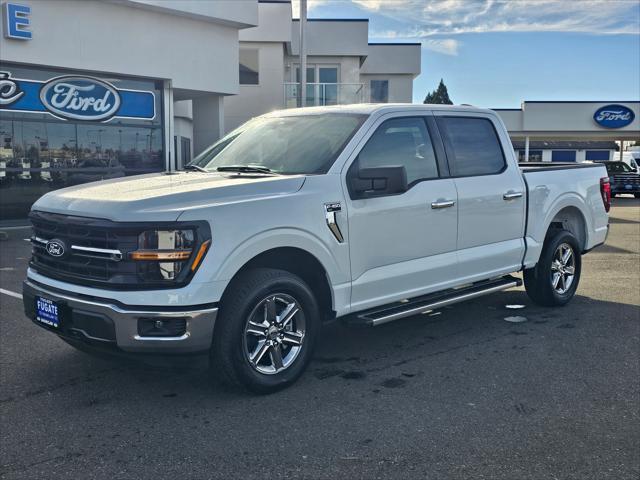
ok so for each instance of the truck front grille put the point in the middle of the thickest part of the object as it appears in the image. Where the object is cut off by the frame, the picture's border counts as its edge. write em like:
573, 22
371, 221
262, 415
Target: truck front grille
628, 179
95, 250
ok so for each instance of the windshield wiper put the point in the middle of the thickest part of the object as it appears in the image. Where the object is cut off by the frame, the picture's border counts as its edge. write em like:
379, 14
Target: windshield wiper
195, 168
244, 169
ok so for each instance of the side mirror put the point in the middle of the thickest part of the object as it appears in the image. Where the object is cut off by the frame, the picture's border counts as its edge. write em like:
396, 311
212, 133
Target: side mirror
371, 182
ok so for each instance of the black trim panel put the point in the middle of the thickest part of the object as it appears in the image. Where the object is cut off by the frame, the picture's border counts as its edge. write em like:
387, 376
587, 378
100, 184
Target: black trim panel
532, 167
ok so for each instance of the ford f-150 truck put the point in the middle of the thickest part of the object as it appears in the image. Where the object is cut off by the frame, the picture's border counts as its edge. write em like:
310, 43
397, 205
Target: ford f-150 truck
366, 213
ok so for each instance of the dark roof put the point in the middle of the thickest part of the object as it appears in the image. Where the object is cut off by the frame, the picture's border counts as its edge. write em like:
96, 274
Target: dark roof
562, 144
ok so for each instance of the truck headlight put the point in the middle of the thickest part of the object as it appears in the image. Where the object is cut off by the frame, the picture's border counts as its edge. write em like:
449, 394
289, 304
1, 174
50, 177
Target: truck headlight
165, 254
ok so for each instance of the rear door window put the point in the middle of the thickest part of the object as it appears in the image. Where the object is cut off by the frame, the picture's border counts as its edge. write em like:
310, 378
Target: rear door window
473, 146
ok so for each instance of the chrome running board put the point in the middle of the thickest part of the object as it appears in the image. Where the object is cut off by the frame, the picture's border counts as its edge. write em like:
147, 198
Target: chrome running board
415, 306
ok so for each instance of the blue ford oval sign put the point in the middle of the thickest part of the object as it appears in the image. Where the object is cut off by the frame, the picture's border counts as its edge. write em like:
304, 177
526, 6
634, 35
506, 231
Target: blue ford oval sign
80, 98
614, 116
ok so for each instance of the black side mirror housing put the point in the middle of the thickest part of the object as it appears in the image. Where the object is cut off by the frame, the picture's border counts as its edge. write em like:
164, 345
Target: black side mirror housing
387, 180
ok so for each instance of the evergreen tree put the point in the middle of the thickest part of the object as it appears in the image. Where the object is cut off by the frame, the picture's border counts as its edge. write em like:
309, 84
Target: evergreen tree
439, 95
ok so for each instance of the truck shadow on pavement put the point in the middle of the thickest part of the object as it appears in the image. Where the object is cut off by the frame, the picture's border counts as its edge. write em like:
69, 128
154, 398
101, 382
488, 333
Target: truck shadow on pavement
386, 394
390, 356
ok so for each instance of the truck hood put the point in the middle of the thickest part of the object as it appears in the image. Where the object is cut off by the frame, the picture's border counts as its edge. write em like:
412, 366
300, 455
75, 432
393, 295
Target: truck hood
163, 196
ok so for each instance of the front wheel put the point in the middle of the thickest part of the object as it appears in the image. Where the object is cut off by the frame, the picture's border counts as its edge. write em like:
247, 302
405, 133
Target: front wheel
554, 280
266, 330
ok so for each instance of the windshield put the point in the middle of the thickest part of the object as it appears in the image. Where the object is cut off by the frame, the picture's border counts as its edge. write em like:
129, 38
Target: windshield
301, 144
618, 167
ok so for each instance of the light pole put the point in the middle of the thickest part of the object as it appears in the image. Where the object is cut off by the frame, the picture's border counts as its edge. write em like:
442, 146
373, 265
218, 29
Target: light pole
303, 53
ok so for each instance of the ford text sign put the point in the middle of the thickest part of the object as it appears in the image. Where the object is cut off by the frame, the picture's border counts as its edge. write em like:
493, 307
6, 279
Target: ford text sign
80, 98
614, 116
75, 97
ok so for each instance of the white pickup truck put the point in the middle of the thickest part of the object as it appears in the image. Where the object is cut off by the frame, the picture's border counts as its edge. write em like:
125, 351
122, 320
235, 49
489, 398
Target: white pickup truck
366, 213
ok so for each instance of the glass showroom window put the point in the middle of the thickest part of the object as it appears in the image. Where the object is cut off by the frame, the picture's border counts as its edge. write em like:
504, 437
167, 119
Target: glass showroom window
249, 66
534, 155
379, 91
40, 152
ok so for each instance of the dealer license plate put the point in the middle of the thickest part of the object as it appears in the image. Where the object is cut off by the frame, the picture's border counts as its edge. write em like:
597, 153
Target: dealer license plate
47, 312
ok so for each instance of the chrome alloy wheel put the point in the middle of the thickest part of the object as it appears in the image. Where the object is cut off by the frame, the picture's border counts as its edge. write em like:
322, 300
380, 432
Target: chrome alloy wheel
274, 333
563, 268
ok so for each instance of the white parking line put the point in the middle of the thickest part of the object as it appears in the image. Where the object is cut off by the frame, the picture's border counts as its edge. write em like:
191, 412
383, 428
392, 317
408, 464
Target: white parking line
10, 293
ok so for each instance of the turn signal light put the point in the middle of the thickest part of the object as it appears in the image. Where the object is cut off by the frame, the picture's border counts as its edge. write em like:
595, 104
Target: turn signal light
200, 255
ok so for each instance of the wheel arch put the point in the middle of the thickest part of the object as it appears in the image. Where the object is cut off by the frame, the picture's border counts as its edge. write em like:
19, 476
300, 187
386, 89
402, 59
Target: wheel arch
572, 219
300, 262
570, 212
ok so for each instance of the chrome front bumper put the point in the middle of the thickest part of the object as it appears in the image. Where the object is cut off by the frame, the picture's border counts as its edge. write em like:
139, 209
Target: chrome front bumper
105, 323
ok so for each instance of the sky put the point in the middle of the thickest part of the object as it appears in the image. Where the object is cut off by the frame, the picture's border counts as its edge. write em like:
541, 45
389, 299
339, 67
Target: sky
496, 54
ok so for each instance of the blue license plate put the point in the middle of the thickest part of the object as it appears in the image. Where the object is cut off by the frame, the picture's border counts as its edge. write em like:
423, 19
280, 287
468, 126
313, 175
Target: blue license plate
47, 312
628, 187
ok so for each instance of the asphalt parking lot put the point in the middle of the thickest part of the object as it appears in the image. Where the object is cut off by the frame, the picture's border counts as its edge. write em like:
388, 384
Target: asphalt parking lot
459, 393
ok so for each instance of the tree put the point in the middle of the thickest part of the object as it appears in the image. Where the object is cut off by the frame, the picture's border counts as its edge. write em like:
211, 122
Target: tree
440, 95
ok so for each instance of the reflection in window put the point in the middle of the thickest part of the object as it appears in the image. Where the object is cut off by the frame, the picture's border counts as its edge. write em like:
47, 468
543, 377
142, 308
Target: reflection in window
474, 145
379, 91
405, 142
249, 66
39, 156
40, 153
534, 155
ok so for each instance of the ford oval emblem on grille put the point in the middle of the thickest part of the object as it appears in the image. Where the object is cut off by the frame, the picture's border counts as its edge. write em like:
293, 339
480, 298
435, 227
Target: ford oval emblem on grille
55, 248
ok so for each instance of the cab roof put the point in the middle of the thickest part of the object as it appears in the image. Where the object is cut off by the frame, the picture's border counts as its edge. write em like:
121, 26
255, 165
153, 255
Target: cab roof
371, 108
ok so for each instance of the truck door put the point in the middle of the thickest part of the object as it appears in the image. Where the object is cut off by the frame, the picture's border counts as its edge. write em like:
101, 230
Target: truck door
402, 245
491, 194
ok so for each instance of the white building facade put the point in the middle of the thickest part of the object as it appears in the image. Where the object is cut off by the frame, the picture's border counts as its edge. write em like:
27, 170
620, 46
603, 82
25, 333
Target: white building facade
342, 66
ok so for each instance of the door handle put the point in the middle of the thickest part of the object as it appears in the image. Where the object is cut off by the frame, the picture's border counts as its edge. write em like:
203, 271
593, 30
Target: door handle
442, 204
512, 195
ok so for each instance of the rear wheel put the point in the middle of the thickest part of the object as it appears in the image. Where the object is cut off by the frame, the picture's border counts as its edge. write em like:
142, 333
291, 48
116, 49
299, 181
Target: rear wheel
554, 280
266, 331
637, 195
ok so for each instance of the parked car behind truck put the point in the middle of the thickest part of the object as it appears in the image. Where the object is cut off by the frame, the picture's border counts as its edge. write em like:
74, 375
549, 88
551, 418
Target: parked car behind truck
623, 178
365, 213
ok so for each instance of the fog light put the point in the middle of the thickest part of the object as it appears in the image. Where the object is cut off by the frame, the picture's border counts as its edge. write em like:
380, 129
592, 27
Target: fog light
162, 327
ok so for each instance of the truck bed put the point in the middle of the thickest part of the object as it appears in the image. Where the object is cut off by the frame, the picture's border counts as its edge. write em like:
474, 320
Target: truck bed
553, 186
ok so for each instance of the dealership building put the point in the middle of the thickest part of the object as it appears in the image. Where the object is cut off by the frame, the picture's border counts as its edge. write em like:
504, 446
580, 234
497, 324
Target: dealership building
571, 131
93, 89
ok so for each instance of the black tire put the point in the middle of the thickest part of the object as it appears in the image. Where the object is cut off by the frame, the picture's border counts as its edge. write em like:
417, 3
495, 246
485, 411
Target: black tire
230, 350
637, 195
538, 281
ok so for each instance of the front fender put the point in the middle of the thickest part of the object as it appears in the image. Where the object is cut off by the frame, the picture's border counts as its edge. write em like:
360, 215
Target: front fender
276, 238
338, 275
